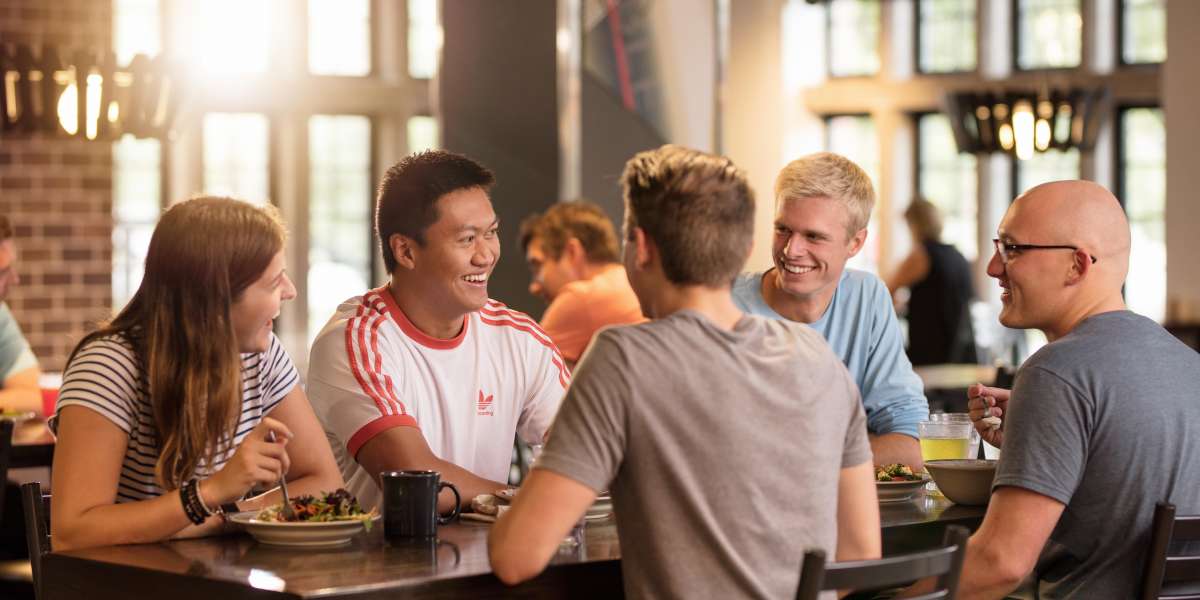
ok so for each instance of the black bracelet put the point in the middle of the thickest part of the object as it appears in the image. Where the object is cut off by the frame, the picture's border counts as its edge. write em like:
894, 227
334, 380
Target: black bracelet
189, 495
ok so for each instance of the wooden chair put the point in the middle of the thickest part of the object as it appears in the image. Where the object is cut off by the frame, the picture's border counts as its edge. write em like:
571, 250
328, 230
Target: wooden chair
945, 563
1172, 572
37, 529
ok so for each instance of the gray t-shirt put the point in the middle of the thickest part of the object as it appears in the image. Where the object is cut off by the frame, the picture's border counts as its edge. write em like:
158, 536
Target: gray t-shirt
722, 450
1105, 420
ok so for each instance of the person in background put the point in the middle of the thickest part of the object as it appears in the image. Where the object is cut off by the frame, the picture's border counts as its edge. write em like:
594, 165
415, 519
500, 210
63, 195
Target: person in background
731, 443
939, 281
172, 412
427, 372
573, 257
19, 373
822, 204
1102, 423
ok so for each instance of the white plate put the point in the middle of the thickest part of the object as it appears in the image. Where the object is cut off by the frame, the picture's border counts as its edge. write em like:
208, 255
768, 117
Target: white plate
899, 491
322, 534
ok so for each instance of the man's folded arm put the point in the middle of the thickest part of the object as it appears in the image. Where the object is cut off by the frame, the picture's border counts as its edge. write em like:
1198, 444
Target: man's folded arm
405, 448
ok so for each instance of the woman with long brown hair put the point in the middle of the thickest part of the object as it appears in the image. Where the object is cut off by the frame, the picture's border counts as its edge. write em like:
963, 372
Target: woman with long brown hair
162, 417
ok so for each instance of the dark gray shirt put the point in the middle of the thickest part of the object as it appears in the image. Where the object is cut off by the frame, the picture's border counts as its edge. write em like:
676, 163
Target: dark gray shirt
1105, 420
722, 449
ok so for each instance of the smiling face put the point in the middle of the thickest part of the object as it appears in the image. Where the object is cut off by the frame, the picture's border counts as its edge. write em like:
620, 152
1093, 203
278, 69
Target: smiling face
256, 308
1032, 281
811, 246
460, 251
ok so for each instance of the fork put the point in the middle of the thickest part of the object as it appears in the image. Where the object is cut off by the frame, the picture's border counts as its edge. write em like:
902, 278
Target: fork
289, 513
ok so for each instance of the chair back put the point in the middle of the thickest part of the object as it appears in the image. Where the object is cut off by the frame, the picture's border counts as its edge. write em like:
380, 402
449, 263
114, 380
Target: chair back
945, 563
37, 529
6, 430
1172, 569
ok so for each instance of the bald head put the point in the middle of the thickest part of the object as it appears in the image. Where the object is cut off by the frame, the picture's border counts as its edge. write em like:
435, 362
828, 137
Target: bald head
1083, 214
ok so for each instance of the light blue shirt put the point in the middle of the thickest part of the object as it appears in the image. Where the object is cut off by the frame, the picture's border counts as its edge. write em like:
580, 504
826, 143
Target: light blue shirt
860, 324
15, 355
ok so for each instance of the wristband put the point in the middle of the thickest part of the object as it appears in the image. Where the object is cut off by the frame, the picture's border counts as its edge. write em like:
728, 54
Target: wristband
192, 506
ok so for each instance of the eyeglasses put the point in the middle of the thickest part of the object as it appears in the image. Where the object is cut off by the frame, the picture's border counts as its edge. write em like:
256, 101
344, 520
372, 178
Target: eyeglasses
1008, 251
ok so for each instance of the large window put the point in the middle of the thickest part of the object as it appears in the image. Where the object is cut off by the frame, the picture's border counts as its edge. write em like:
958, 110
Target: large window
1045, 167
424, 38
137, 163
1143, 31
226, 37
946, 36
340, 248
339, 37
949, 180
1049, 34
854, 137
853, 42
1143, 183
137, 202
236, 156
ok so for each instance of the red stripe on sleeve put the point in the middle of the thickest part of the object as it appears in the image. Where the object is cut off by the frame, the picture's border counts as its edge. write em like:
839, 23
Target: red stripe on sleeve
563, 377
388, 388
351, 354
376, 427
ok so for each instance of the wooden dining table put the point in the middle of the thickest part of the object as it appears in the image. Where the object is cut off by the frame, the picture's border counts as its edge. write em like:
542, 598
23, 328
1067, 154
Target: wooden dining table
236, 567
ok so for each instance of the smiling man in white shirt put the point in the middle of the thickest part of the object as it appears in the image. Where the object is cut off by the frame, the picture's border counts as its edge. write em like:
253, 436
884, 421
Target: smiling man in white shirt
427, 372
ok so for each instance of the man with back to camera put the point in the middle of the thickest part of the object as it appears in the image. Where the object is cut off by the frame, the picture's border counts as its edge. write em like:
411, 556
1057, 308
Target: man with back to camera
1102, 423
19, 373
575, 264
427, 372
692, 416
822, 204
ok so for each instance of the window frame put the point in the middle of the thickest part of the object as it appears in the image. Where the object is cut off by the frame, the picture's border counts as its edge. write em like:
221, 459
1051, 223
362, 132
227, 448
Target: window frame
1016, 42
916, 51
1118, 150
1120, 50
828, 6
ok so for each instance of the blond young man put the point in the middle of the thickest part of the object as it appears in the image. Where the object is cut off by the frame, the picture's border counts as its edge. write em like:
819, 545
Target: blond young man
695, 420
575, 266
823, 202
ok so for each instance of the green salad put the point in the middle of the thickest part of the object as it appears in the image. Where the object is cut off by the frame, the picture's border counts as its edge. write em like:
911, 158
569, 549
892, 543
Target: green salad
338, 505
896, 472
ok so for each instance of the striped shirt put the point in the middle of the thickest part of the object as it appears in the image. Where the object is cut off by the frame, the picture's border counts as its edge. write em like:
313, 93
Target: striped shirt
371, 370
105, 377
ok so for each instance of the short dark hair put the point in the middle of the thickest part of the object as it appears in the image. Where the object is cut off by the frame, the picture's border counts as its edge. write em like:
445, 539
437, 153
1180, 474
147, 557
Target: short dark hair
6, 230
406, 203
697, 207
577, 219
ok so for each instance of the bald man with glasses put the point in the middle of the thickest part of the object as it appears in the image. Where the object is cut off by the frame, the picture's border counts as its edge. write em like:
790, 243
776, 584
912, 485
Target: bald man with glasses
1102, 423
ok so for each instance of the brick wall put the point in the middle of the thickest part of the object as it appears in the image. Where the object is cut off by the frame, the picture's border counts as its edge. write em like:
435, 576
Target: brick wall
58, 195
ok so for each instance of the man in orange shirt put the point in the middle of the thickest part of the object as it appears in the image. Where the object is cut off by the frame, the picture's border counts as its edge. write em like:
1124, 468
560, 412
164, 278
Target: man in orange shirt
574, 259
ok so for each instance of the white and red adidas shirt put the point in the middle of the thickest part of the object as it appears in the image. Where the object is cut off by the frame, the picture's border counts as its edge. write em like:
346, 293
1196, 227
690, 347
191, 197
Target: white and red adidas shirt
371, 369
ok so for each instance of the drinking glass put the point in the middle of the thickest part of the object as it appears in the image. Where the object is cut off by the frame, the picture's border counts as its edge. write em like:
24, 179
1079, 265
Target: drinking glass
973, 443
945, 438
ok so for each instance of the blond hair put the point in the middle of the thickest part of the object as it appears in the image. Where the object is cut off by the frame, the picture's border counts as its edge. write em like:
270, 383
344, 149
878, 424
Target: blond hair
833, 176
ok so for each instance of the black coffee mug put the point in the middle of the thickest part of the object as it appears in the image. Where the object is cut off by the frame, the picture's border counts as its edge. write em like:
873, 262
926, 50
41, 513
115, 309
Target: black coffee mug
410, 503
